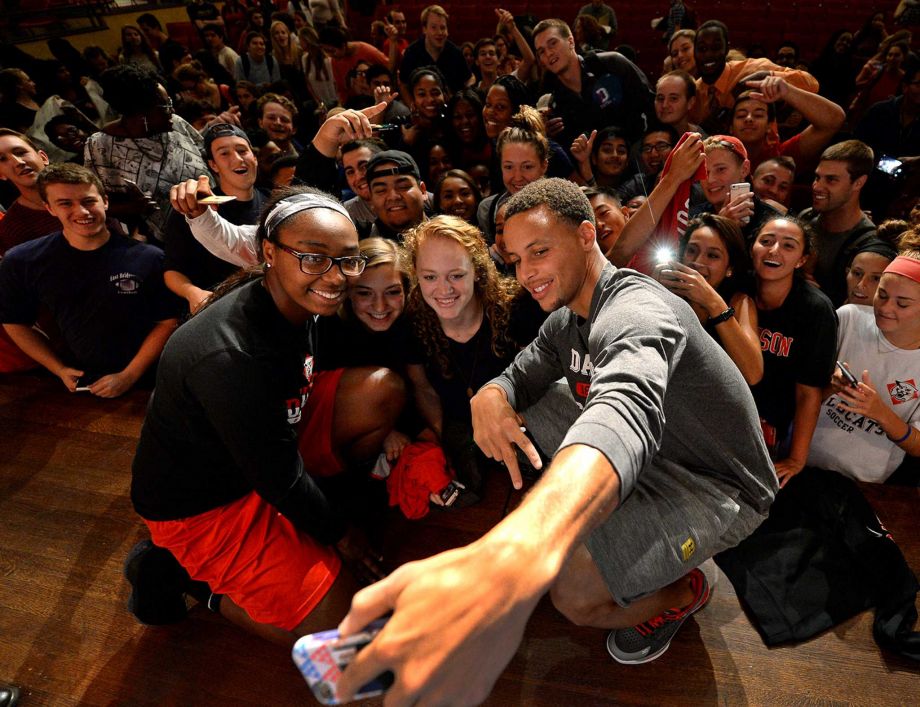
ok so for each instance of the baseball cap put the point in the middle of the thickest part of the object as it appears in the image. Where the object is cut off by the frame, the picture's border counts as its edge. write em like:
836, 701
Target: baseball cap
401, 163
219, 130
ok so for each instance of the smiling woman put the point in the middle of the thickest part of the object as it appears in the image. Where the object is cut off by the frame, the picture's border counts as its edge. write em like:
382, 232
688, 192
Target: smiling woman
142, 154
881, 347
470, 322
219, 463
798, 332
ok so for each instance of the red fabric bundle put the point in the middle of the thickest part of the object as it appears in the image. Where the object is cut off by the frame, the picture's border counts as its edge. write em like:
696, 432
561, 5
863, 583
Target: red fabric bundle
673, 221
420, 471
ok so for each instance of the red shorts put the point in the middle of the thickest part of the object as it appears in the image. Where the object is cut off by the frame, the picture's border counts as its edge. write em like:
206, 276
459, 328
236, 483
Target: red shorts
250, 552
315, 431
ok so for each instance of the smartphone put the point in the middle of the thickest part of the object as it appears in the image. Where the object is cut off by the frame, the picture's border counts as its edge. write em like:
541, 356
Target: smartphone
850, 378
664, 255
890, 165
736, 190
321, 658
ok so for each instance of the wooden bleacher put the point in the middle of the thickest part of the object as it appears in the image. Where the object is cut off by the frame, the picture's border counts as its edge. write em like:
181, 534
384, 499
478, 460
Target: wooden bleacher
66, 523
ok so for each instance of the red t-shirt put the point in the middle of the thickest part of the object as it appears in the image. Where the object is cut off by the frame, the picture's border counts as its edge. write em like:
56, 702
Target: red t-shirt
340, 67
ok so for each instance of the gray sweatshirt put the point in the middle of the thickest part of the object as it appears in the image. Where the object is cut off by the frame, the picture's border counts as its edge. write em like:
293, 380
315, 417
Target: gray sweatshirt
650, 381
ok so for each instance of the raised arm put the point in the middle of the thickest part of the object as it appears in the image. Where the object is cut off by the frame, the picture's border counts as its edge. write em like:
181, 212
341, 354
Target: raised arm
581, 150
685, 161
460, 616
825, 117
527, 58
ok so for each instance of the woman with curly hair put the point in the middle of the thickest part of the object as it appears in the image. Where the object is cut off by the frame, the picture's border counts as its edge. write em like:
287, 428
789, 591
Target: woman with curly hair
470, 322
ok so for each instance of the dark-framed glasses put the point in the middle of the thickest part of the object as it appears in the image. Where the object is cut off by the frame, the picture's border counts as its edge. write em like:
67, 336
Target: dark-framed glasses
318, 264
657, 147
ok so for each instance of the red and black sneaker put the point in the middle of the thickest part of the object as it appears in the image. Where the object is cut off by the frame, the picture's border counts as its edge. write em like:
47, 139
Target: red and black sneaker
646, 641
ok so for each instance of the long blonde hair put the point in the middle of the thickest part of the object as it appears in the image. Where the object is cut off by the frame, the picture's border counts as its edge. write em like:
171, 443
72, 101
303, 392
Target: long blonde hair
494, 291
286, 55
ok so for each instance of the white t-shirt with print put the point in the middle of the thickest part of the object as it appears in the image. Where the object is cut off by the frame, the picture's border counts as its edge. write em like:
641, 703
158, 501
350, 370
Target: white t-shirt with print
854, 444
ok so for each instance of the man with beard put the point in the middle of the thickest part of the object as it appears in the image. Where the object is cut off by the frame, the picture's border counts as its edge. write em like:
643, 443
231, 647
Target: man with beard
839, 223
398, 193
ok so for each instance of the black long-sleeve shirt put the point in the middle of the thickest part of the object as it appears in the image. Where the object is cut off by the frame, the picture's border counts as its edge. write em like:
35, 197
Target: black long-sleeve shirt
231, 387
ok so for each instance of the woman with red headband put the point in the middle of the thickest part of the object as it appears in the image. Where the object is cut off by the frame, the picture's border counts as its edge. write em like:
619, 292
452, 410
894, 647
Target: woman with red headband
866, 428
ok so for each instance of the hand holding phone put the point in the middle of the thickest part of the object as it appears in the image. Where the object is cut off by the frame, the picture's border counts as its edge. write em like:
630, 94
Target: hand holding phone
322, 657
738, 190
848, 377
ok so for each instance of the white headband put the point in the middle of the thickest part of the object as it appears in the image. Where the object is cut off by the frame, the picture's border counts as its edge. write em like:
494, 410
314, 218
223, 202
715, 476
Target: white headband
299, 202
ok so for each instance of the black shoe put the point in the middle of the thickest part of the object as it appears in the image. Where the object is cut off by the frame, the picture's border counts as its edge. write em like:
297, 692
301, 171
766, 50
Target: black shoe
9, 696
158, 584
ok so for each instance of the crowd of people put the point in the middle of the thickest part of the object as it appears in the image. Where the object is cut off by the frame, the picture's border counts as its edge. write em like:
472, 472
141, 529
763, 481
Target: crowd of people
332, 257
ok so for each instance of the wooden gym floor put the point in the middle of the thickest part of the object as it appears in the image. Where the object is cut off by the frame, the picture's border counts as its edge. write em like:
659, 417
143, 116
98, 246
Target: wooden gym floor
66, 638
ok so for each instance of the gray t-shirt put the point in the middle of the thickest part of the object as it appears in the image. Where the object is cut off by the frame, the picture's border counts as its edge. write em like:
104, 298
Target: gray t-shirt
829, 272
650, 381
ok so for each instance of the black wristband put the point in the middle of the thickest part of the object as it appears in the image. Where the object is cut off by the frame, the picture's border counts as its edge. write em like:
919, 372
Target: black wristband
723, 317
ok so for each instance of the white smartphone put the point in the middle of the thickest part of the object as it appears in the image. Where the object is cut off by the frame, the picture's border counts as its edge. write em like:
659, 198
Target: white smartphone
736, 190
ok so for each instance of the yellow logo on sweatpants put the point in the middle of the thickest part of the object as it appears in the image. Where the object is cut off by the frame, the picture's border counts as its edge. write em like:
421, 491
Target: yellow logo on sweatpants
688, 548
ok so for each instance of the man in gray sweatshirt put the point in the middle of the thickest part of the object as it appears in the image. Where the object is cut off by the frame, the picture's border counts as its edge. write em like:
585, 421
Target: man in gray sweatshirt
658, 463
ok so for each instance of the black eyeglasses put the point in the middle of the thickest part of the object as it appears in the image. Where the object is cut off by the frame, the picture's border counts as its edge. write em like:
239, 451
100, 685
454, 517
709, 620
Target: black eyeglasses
318, 264
657, 147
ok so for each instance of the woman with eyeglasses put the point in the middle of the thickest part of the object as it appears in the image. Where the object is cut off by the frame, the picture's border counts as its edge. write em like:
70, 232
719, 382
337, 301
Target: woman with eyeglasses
242, 431
142, 154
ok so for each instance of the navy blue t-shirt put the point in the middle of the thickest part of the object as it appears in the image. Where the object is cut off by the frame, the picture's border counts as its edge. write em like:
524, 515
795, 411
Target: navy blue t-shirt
186, 255
105, 301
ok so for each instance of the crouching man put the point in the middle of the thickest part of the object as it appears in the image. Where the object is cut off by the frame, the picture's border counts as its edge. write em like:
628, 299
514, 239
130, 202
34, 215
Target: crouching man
658, 464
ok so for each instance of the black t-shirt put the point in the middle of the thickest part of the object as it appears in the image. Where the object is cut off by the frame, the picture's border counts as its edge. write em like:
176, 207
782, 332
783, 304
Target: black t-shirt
451, 63
105, 301
614, 91
231, 388
473, 363
763, 212
799, 344
187, 256
347, 343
